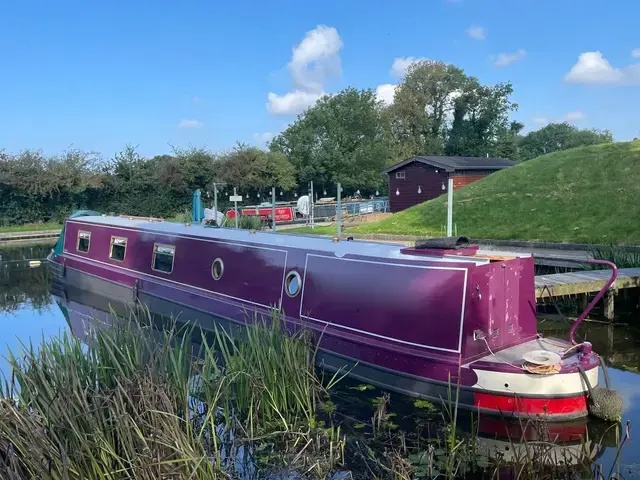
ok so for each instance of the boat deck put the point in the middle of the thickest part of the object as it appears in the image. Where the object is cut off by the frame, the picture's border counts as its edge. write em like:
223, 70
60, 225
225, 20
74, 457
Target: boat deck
514, 355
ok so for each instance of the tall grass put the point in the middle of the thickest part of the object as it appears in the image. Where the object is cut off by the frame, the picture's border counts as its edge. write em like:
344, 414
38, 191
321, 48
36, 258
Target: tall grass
145, 404
622, 257
249, 222
137, 402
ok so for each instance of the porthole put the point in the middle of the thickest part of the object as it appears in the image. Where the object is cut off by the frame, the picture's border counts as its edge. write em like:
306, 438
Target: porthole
217, 269
293, 284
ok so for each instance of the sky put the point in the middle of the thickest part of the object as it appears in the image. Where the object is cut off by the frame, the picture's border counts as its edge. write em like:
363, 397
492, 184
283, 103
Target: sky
98, 75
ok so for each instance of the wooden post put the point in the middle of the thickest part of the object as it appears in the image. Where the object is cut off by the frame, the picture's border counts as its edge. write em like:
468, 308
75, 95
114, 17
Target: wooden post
583, 301
608, 304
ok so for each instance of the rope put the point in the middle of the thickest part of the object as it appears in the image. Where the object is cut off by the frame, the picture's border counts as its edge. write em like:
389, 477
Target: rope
541, 369
532, 367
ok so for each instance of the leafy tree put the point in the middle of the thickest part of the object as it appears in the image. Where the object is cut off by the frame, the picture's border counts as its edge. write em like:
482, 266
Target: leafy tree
481, 122
255, 171
422, 103
559, 136
342, 138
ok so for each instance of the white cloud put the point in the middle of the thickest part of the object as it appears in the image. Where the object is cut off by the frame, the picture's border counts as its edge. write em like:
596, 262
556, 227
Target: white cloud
593, 68
401, 65
505, 59
540, 120
385, 93
291, 103
635, 53
313, 62
477, 33
575, 116
263, 138
190, 124
316, 59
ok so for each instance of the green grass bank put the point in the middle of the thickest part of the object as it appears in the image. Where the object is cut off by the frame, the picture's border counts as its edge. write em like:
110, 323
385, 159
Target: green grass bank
588, 194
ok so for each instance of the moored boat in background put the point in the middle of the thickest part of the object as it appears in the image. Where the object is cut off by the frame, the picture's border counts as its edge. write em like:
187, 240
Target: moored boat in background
421, 321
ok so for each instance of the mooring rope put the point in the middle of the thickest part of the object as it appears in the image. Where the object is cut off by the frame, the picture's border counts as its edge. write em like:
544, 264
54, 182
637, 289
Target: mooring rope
532, 367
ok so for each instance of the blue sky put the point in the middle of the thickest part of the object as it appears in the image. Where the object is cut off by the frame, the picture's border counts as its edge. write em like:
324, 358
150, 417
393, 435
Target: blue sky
98, 75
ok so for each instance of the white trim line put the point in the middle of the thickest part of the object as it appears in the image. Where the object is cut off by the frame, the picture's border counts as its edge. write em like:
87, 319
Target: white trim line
427, 267
188, 237
161, 279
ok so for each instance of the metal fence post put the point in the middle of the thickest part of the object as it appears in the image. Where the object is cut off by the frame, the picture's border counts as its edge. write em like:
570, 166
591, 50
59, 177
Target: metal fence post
339, 211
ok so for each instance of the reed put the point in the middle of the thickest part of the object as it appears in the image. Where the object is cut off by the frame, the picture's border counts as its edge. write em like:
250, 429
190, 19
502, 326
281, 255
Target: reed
136, 402
622, 257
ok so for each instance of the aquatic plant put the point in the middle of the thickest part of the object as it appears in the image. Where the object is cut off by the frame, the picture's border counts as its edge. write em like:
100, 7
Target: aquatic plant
137, 402
620, 255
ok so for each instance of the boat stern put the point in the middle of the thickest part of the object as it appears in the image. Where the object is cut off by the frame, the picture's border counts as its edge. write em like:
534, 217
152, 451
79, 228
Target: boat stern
509, 385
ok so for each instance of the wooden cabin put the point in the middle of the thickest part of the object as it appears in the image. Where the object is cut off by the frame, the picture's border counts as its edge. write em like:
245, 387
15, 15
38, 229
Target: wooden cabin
421, 178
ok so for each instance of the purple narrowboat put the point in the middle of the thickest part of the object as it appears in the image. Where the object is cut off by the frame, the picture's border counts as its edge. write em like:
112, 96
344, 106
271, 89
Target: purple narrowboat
420, 321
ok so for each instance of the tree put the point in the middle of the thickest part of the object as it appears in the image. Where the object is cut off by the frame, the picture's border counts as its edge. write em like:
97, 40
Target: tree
559, 136
438, 109
342, 138
255, 171
481, 121
422, 103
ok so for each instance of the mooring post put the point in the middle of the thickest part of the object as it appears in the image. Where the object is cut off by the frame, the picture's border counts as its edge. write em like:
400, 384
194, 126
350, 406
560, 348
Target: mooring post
608, 304
583, 301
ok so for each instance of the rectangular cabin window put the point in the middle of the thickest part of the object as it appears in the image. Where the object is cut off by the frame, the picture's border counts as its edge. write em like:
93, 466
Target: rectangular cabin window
400, 175
84, 241
118, 248
163, 256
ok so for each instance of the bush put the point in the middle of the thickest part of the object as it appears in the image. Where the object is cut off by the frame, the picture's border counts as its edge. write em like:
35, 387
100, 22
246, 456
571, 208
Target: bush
249, 222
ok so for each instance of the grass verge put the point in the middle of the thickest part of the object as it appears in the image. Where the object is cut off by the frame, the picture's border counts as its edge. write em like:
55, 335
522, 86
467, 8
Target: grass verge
30, 227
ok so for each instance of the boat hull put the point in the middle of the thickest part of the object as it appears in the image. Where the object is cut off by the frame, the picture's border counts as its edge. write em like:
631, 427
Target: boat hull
500, 393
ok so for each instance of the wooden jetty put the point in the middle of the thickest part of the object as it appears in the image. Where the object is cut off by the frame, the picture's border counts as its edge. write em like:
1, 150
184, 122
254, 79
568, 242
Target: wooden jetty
585, 282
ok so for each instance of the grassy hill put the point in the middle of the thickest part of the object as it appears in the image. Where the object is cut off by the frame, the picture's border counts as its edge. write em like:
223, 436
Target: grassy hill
587, 194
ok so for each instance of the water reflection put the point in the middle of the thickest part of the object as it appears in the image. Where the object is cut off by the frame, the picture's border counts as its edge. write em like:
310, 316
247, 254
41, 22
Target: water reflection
28, 313
23, 280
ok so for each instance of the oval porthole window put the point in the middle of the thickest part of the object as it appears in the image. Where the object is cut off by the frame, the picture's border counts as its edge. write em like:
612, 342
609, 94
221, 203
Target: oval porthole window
217, 269
293, 284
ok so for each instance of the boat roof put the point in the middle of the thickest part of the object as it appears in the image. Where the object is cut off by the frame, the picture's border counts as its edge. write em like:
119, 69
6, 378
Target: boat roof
275, 239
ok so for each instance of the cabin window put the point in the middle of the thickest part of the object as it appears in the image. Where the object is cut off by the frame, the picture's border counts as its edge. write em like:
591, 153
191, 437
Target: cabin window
217, 269
293, 284
118, 248
84, 241
400, 175
163, 256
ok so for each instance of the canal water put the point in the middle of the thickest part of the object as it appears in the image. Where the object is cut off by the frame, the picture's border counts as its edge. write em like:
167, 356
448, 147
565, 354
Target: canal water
29, 314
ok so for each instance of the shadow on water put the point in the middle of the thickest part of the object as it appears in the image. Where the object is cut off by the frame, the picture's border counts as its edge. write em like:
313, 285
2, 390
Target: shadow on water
388, 435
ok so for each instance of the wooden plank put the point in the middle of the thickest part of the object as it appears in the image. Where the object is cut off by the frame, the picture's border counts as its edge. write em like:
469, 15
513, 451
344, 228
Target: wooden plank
576, 283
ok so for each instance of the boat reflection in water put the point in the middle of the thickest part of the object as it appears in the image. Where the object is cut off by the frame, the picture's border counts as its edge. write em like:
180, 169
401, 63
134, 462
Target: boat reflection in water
576, 442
